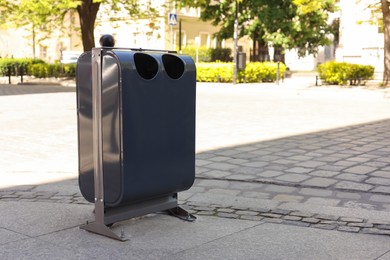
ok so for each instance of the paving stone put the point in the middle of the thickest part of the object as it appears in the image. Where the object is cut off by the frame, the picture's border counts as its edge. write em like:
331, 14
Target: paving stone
269, 174
301, 214
281, 211
378, 181
246, 170
296, 223
384, 174
255, 164
357, 220
293, 218
221, 166
315, 192
348, 195
375, 231
291, 177
280, 188
206, 213
361, 225
331, 167
213, 183
351, 177
348, 229
228, 192
360, 169
204, 155
237, 161
359, 159
300, 158
349, 185
216, 174
381, 189
249, 217
324, 226
270, 215
245, 156
323, 173
345, 163
220, 159
383, 227
320, 182
380, 198
254, 194
200, 170
226, 210
311, 164
273, 220
328, 159
323, 201
246, 186
227, 215
311, 220
240, 177
200, 162
288, 198
359, 205
299, 170
246, 212
284, 161
326, 217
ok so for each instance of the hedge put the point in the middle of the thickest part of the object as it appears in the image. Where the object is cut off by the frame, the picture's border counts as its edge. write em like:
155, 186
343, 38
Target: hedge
223, 72
35, 67
340, 73
209, 54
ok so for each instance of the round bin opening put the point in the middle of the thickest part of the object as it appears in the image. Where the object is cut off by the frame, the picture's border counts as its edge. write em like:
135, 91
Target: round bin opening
146, 65
173, 65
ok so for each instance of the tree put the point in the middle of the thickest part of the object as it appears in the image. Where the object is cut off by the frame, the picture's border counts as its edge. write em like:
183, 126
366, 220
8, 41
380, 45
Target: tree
381, 8
287, 24
385, 7
48, 15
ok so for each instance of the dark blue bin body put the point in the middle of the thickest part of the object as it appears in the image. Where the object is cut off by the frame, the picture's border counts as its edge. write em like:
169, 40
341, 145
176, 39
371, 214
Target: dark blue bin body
148, 125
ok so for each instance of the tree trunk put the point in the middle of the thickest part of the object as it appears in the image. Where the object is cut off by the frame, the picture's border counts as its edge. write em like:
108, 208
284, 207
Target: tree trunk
386, 22
87, 13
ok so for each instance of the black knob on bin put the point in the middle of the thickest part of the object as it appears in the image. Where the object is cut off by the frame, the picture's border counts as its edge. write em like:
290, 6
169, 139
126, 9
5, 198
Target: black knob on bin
107, 40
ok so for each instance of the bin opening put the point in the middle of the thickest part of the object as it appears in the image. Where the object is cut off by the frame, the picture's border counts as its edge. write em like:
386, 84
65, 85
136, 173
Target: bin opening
173, 65
146, 65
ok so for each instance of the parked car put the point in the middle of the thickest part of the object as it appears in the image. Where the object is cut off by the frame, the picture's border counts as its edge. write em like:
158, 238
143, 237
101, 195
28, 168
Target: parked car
70, 57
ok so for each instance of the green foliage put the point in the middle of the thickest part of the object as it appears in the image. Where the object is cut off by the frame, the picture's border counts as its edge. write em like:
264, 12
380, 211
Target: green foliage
223, 72
221, 54
35, 67
263, 71
203, 53
14, 66
209, 54
340, 73
301, 24
214, 72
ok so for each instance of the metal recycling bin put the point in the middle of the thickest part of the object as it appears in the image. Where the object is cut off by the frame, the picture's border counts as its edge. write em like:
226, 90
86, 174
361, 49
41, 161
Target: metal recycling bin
147, 125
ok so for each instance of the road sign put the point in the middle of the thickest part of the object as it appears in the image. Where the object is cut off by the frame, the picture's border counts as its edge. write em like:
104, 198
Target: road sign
172, 19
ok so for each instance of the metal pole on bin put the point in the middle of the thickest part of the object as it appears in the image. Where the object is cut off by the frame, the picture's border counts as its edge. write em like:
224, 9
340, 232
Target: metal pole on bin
98, 226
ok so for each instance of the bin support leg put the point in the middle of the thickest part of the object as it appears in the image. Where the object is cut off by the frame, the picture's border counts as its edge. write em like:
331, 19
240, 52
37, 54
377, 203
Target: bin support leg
181, 214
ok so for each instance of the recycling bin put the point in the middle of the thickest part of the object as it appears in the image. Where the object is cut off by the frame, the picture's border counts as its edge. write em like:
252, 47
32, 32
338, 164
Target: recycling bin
147, 125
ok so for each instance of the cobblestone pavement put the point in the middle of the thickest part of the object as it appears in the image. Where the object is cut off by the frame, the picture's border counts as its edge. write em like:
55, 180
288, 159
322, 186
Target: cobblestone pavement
312, 157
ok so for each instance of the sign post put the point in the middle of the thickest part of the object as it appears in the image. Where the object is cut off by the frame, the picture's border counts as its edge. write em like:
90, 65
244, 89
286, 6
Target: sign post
172, 21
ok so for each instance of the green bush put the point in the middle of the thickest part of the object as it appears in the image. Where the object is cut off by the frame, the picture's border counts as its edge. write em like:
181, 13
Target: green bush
223, 72
203, 53
214, 72
221, 54
263, 71
15, 66
340, 73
